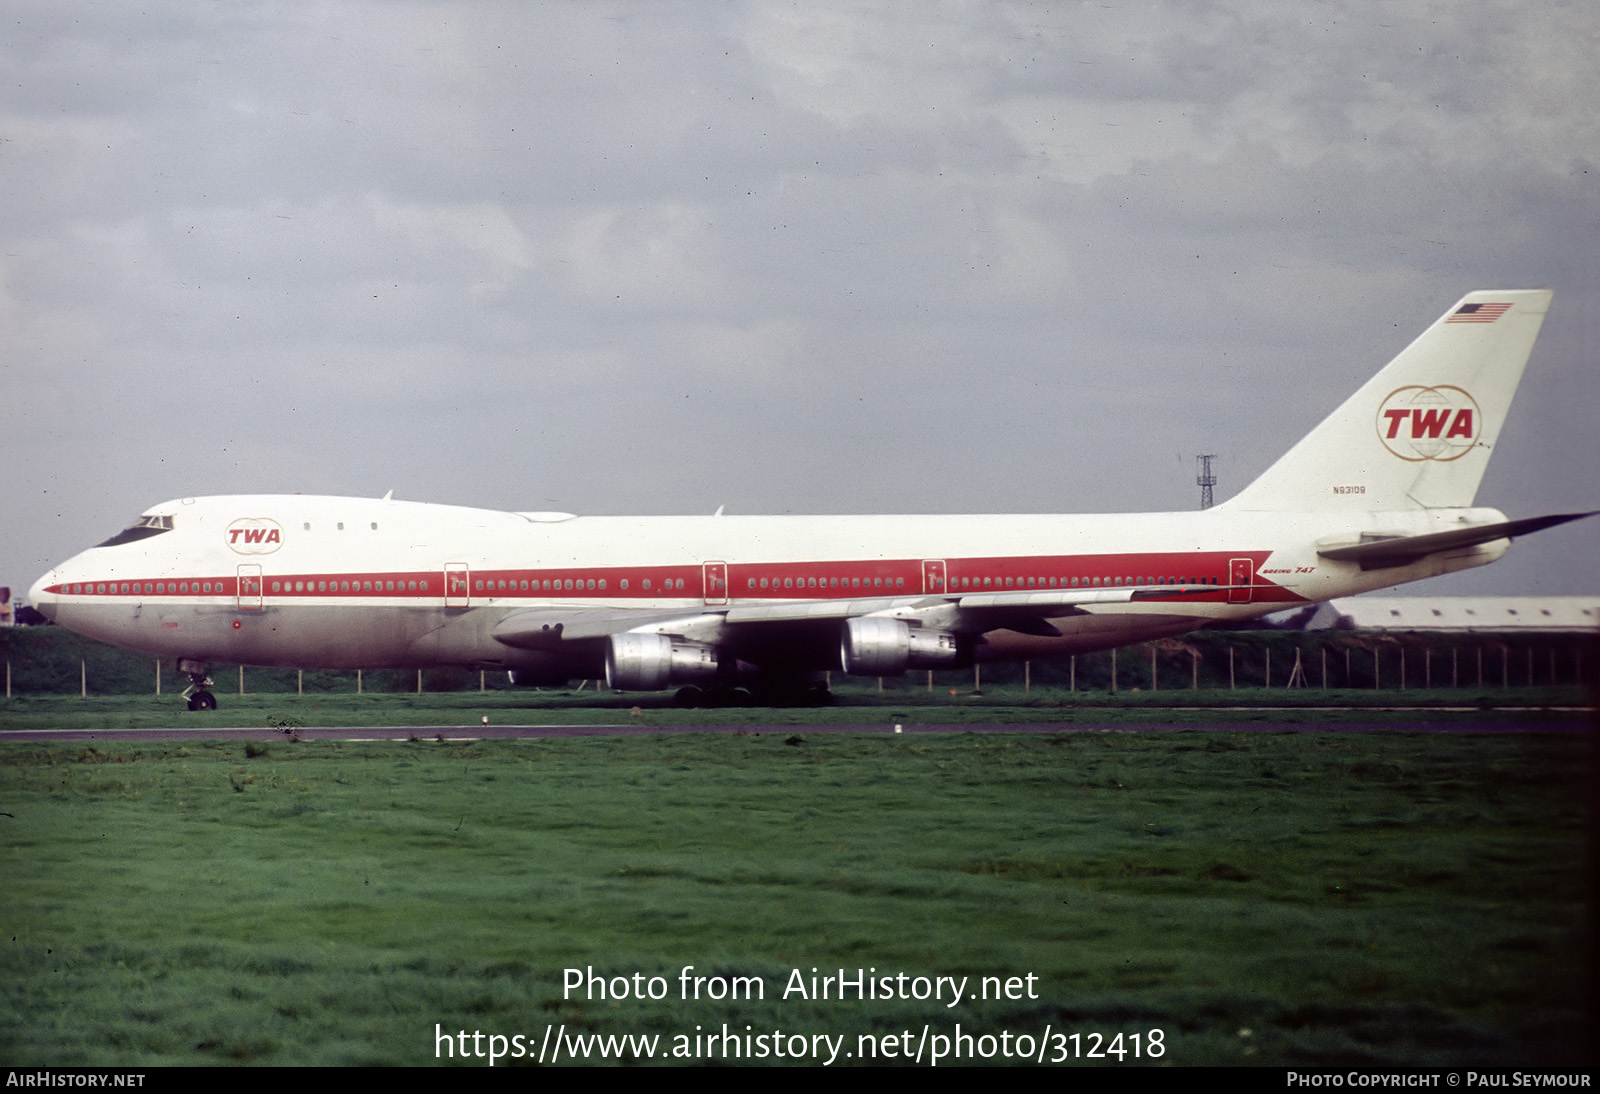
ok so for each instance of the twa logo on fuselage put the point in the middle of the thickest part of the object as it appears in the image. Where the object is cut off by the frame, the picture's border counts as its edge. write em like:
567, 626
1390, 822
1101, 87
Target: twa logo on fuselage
254, 536
1429, 423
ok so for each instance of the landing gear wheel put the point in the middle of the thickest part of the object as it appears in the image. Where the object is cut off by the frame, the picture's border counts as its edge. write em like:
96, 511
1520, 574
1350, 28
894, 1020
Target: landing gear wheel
689, 696
199, 698
735, 697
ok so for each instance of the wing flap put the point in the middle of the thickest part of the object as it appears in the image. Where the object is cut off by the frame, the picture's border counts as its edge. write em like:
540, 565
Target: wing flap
805, 610
542, 628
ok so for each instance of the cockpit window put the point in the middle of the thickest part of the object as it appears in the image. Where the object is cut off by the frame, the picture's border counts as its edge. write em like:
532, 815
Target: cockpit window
143, 528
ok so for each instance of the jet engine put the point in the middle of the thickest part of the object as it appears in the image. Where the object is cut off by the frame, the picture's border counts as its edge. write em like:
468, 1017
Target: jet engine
649, 662
877, 646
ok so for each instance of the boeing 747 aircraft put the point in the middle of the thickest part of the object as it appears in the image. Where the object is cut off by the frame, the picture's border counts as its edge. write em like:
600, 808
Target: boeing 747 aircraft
1380, 493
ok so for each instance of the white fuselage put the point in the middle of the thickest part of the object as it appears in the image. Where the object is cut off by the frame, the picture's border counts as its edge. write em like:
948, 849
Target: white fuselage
330, 582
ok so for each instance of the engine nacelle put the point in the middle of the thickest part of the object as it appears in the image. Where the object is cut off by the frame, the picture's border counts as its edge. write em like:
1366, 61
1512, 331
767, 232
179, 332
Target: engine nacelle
650, 662
878, 646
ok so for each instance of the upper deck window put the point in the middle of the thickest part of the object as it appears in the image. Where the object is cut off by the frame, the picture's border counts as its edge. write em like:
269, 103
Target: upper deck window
143, 528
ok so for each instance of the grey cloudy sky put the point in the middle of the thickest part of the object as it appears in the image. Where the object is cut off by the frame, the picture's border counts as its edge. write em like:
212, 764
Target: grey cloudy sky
784, 257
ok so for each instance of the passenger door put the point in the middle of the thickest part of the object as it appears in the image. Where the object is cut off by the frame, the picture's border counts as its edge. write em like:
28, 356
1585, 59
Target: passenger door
457, 585
249, 590
714, 582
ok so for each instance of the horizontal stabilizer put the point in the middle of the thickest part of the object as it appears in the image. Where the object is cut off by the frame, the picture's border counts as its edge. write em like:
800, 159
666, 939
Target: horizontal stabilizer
1378, 554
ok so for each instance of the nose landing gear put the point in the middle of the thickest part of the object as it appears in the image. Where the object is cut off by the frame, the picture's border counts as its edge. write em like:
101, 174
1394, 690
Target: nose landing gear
199, 698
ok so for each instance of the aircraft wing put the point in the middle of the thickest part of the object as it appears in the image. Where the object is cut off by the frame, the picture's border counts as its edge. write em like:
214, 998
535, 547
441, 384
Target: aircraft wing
1021, 610
1025, 611
1379, 552
974, 605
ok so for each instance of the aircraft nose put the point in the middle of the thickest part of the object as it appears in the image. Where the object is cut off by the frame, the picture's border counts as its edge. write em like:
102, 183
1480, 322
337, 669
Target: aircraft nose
40, 599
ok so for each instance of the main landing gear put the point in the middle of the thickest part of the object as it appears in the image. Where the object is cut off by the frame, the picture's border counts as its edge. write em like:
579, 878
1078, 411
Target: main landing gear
199, 698
797, 695
693, 696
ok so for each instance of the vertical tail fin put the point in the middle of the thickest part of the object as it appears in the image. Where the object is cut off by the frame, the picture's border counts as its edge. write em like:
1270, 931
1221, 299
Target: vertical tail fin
1419, 434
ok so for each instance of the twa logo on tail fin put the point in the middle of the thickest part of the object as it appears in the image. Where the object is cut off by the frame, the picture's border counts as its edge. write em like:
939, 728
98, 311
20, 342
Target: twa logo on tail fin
1429, 423
1438, 407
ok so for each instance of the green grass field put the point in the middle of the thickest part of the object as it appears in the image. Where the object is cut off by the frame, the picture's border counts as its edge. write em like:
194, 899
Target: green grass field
1312, 898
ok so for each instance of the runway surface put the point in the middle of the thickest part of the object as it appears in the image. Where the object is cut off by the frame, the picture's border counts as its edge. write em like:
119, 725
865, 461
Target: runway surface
1536, 723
